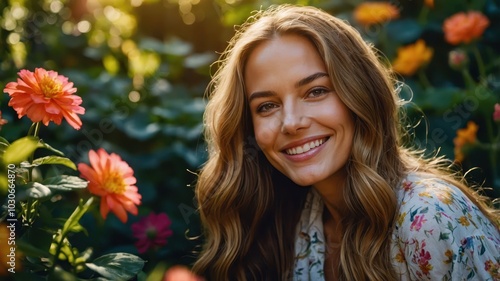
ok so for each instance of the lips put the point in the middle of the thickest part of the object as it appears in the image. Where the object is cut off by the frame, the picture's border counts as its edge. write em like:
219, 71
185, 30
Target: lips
305, 147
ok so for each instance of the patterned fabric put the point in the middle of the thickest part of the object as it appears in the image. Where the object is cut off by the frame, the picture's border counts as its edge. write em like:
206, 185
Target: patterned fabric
439, 235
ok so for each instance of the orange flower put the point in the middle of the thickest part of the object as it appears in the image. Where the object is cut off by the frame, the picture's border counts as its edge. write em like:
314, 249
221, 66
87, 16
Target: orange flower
113, 180
45, 96
410, 58
464, 27
369, 13
180, 273
429, 3
464, 137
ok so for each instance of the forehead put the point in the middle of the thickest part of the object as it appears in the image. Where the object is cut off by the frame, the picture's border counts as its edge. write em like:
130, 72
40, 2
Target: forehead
287, 56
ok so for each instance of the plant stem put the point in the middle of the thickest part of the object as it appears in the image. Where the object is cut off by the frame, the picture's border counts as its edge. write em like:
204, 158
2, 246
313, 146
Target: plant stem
480, 63
31, 204
469, 82
423, 79
73, 220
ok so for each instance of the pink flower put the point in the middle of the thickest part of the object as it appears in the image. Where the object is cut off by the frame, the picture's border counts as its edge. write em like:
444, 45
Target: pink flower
496, 114
45, 96
2, 121
113, 180
151, 231
417, 222
180, 273
457, 59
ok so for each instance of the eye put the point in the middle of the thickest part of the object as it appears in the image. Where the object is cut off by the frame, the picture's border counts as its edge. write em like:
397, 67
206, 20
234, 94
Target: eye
317, 92
266, 107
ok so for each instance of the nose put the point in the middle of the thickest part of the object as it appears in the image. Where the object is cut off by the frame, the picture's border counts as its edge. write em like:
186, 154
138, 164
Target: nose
293, 120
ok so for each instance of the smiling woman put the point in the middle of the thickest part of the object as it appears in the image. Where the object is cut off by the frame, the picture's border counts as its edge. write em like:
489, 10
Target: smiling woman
332, 194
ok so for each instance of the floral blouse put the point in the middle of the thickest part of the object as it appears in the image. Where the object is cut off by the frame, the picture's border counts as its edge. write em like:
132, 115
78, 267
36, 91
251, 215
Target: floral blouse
439, 235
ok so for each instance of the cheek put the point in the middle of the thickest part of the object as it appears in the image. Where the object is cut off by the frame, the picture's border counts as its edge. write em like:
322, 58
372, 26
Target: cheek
265, 133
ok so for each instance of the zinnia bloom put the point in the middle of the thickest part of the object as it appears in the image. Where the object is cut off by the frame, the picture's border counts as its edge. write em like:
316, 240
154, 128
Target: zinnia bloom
457, 59
113, 180
410, 58
152, 231
369, 13
464, 136
464, 27
45, 96
496, 114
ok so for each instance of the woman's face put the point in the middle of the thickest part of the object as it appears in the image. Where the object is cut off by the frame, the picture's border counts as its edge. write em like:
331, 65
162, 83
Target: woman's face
300, 123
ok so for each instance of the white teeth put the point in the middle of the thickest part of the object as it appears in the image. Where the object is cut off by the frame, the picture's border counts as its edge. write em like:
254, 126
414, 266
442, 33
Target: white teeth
305, 147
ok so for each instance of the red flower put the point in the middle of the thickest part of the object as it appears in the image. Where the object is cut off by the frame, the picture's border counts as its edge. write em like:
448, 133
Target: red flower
464, 27
45, 96
151, 231
113, 180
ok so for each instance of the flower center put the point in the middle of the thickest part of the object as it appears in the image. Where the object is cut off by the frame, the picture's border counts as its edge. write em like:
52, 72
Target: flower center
151, 232
50, 87
114, 183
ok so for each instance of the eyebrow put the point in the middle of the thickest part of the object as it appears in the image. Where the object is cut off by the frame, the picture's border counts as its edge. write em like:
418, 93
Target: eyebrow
301, 82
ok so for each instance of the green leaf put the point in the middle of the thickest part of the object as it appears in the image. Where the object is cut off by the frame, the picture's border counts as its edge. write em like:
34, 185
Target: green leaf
31, 251
20, 150
403, 31
60, 274
50, 160
77, 227
3, 145
65, 182
47, 146
117, 266
72, 223
37, 190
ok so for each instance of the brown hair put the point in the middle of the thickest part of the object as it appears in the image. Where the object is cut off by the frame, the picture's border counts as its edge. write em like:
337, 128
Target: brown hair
249, 210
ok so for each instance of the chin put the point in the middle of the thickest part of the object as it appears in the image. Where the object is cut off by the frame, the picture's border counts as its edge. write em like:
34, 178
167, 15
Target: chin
303, 181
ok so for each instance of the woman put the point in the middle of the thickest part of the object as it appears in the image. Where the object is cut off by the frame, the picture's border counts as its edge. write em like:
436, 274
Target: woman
307, 178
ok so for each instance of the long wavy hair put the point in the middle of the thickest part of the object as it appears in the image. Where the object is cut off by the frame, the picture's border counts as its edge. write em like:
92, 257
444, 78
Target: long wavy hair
249, 210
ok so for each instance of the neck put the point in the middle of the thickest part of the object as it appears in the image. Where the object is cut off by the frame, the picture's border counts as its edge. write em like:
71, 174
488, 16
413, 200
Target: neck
331, 191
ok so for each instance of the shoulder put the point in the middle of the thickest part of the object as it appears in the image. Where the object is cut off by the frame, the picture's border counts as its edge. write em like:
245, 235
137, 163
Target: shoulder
428, 203
439, 230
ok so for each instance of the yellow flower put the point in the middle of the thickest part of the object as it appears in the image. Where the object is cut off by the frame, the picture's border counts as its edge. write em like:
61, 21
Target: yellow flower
401, 218
445, 197
369, 13
400, 256
410, 58
464, 136
425, 194
463, 221
449, 255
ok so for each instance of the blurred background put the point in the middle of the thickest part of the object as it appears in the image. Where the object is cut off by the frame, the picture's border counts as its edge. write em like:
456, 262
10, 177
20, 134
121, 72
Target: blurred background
142, 66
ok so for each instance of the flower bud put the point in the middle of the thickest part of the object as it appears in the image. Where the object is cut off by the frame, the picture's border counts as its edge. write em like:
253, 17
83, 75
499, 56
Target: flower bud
457, 59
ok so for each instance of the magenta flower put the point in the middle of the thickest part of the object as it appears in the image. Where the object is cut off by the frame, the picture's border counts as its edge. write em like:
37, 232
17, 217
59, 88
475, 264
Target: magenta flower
496, 114
151, 231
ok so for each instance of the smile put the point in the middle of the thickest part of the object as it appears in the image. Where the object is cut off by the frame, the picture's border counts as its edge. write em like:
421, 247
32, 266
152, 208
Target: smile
305, 147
